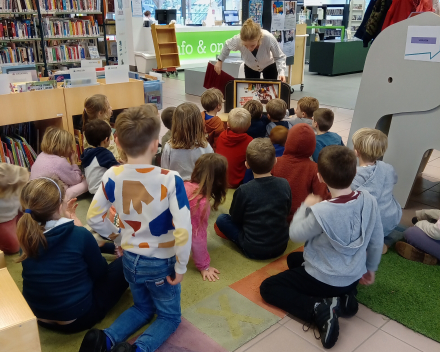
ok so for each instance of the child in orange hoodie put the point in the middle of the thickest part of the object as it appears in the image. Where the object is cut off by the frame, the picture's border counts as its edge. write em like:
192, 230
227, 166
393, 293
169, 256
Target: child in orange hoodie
297, 168
232, 143
212, 100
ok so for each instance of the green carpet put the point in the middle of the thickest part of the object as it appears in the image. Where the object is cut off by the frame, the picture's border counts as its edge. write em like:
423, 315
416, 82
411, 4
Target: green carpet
407, 292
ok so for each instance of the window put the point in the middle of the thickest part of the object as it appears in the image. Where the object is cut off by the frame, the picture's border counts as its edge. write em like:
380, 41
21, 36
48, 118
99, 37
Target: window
152, 5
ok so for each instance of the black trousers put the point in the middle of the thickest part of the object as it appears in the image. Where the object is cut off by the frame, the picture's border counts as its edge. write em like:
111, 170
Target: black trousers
296, 292
106, 293
270, 72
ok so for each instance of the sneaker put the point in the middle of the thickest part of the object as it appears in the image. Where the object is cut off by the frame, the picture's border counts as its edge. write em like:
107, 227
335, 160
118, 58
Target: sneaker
349, 305
414, 220
94, 341
326, 320
124, 347
219, 233
411, 253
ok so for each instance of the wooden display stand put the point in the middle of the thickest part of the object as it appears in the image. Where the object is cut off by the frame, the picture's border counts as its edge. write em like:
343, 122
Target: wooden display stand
44, 108
120, 96
165, 45
2, 260
18, 325
296, 73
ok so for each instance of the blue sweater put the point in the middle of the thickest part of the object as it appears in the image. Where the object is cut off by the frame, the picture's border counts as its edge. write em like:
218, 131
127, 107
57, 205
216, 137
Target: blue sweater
258, 128
323, 140
58, 284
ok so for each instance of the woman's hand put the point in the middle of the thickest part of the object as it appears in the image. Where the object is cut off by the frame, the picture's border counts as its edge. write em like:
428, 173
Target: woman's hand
218, 67
283, 79
210, 274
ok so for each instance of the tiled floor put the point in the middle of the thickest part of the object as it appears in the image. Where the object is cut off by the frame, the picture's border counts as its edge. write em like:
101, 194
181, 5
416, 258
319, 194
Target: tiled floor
367, 331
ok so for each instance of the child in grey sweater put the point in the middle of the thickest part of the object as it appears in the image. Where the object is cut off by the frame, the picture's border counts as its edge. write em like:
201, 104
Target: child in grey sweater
343, 239
378, 178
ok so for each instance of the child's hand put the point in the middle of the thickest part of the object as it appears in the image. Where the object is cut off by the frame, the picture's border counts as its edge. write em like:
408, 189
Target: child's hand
312, 200
210, 274
177, 279
368, 278
73, 157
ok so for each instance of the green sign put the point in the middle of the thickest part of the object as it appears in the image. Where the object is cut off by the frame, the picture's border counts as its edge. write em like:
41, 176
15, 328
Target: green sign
199, 44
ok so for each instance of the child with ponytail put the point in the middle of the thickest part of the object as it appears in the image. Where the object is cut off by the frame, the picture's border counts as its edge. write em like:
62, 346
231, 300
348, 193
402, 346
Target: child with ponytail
66, 281
208, 180
58, 158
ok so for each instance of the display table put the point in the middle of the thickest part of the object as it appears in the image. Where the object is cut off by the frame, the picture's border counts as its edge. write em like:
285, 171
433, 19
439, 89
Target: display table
333, 57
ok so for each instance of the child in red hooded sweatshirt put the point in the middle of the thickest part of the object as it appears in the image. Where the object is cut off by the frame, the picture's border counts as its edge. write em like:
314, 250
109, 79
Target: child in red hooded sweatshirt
232, 143
297, 168
212, 100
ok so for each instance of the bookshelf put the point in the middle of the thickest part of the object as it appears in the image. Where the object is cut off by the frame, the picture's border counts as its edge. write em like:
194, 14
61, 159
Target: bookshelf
165, 45
357, 11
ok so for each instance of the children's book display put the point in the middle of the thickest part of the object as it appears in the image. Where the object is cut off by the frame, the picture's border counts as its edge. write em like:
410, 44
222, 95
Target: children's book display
70, 5
54, 27
18, 144
65, 52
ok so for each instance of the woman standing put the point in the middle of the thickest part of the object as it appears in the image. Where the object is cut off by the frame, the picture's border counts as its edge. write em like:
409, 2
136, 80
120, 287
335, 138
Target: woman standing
259, 50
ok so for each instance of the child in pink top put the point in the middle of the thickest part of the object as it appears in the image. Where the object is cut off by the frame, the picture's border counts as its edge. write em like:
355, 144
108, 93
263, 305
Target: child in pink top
58, 159
208, 180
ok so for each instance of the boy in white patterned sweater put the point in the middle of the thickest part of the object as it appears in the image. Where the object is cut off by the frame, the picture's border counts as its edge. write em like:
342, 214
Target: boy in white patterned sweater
155, 228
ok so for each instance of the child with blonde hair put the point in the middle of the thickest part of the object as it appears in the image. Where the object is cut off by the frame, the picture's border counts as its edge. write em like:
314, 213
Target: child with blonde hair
208, 180
188, 141
212, 100
58, 158
378, 178
66, 281
232, 143
12, 180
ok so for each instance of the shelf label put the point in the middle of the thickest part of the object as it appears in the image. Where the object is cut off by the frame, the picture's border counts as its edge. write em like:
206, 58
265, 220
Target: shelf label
20, 76
116, 74
423, 43
85, 73
91, 63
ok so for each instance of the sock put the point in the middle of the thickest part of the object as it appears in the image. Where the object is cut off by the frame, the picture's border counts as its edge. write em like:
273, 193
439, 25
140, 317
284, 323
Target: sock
108, 343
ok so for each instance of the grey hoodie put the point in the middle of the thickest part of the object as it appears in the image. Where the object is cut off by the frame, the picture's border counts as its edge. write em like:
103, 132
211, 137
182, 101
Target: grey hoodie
343, 240
379, 180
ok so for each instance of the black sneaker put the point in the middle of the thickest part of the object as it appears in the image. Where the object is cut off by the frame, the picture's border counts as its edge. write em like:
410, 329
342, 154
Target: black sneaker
94, 341
326, 320
124, 347
414, 220
349, 305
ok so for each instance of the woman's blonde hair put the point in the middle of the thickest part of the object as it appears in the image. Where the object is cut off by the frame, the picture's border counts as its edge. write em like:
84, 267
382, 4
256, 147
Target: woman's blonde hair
94, 106
371, 144
12, 180
250, 31
188, 129
57, 142
40, 199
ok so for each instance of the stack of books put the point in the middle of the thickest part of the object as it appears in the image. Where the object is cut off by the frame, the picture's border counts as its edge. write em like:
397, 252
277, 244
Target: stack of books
70, 5
12, 54
18, 5
15, 145
18, 28
58, 27
65, 52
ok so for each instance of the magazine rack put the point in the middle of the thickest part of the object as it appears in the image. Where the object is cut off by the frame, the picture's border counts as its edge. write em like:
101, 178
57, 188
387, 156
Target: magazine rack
399, 97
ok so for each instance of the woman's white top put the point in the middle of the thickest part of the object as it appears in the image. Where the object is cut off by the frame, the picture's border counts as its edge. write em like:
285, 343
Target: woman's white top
268, 53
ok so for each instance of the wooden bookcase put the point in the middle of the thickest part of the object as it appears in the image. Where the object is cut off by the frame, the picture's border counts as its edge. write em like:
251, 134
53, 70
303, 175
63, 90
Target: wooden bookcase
165, 45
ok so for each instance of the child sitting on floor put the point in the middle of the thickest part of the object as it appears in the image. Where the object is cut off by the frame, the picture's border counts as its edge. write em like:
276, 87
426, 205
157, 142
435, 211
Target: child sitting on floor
276, 112
167, 120
58, 159
322, 122
97, 159
155, 233
212, 101
278, 137
304, 111
12, 180
188, 141
208, 180
378, 178
258, 122
422, 240
233, 142
343, 239
297, 168
257, 223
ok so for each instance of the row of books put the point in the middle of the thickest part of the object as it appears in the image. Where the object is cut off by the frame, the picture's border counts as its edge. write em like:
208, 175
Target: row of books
57, 27
79, 140
65, 53
18, 5
70, 5
14, 54
18, 29
18, 144
20, 87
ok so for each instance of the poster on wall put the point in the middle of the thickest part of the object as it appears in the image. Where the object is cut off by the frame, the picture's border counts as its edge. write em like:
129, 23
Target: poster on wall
263, 92
277, 16
289, 42
256, 11
279, 37
136, 8
120, 31
290, 11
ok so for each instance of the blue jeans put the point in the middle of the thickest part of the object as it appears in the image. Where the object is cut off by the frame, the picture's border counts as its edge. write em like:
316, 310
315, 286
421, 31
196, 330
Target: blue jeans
151, 294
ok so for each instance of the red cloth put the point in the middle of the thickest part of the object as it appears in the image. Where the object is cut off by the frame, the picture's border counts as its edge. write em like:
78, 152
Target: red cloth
401, 9
214, 127
214, 80
297, 168
8, 238
233, 146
